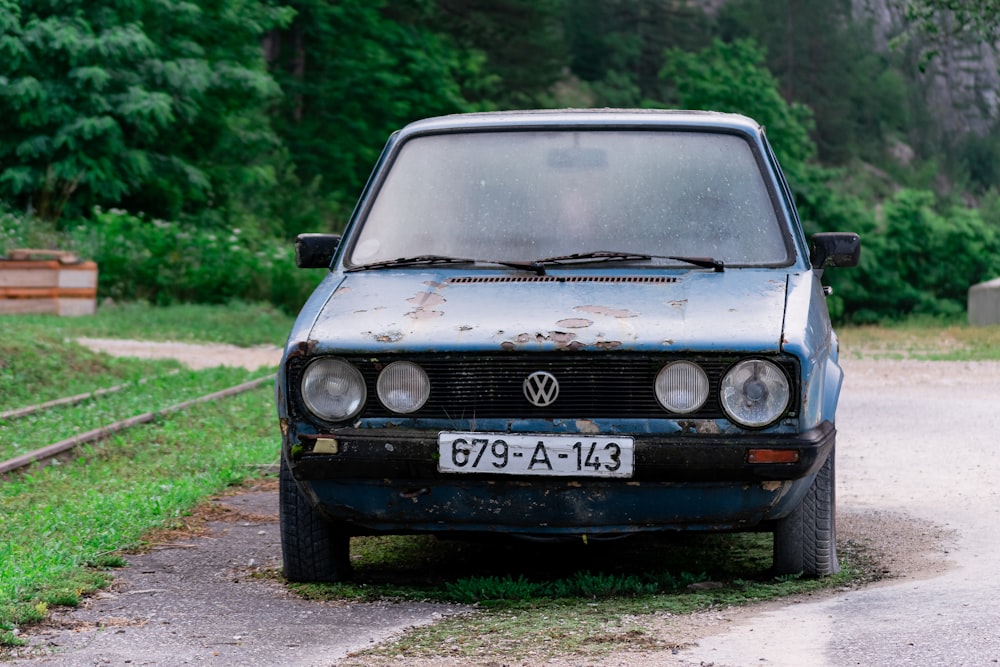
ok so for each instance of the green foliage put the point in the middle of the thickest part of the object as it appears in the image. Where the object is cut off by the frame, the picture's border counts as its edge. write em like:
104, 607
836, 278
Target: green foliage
616, 48
922, 261
106, 103
856, 92
732, 77
590, 585
168, 262
351, 77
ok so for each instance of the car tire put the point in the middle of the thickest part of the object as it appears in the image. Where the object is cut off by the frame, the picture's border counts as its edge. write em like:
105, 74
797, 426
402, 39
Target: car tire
805, 542
312, 548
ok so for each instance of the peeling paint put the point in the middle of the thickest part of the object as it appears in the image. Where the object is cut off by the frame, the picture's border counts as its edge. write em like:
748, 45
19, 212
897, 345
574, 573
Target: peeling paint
426, 299
389, 337
587, 426
421, 314
575, 323
677, 303
771, 486
608, 344
605, 310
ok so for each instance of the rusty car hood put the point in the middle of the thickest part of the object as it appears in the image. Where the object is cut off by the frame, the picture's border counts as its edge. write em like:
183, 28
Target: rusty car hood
420, 310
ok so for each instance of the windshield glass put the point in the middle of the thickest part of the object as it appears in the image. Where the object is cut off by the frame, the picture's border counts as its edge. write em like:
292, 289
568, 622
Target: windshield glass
523, 195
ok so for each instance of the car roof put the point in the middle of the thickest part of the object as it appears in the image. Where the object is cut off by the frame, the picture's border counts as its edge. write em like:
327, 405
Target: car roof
594, 118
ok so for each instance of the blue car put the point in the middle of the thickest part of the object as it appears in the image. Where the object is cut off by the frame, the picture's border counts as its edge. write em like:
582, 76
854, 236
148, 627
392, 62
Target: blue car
555, 324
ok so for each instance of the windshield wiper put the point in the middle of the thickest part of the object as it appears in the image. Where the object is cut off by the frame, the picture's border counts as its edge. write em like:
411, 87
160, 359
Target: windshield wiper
427, 260
612, 255
414, 260
538, 265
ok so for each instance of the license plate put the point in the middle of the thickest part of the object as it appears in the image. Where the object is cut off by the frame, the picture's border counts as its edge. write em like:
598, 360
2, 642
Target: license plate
533, 454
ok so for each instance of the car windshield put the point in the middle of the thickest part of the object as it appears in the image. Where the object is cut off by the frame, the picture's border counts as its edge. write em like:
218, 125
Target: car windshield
525, 195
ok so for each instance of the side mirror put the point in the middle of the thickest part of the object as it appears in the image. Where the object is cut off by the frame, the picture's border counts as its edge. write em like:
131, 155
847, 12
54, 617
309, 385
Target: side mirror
315, 251
834, 249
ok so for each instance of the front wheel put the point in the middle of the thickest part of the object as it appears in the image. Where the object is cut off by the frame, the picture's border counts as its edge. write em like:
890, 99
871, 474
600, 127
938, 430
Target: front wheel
805, 542
312, 549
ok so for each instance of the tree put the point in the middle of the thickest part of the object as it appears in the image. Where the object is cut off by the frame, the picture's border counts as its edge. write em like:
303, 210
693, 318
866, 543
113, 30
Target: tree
351, 77
858, 96
103, 101
616, 46
732, 77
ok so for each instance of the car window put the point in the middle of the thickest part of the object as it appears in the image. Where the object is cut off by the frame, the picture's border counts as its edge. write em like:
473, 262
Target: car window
521, 195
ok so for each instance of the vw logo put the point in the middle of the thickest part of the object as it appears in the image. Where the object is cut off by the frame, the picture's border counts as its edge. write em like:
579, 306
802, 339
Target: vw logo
541, 388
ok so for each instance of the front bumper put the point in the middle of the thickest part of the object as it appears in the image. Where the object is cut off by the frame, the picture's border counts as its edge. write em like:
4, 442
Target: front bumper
412, 454
387, 481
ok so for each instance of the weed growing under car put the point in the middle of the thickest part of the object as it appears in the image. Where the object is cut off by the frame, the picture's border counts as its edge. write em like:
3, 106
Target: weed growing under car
536, 601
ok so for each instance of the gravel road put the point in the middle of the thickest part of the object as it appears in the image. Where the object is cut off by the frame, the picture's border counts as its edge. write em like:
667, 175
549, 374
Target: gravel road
916, 484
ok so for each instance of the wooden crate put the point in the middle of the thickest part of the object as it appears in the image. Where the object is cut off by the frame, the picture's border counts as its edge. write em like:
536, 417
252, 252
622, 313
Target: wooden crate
39, 281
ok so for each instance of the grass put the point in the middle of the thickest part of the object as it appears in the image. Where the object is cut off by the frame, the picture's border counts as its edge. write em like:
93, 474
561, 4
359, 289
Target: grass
66, 523
921, 339
237, 323
39, 360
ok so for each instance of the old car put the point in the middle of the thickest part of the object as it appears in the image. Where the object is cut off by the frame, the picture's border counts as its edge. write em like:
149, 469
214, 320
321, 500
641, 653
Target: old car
555, 324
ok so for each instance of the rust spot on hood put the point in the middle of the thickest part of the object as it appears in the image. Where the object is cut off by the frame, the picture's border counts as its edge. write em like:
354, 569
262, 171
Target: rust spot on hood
421, 314
304, 347
389, 337
559, 338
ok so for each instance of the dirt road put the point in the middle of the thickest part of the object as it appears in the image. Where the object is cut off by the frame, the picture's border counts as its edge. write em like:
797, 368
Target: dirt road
916, 480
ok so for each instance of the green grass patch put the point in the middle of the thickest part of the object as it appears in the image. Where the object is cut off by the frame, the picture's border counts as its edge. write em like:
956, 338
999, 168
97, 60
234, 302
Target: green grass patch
40, 362
236, 323
64, 524
921, 339
20, 435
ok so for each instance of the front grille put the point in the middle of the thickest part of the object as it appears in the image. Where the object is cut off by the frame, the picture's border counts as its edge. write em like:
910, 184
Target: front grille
592, 386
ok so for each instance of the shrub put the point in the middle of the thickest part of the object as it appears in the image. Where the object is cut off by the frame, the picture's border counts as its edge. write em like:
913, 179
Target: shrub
166, 262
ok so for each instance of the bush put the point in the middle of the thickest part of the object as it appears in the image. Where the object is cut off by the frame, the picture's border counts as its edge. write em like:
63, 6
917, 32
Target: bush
921, 261
167, 262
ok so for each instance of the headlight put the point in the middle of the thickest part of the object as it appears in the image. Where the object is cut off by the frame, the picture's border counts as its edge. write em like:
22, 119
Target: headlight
681, 387
754, 392
403, 387
333, 389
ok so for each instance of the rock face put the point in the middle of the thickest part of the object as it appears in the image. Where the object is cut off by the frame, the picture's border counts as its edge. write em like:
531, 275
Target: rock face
962, 80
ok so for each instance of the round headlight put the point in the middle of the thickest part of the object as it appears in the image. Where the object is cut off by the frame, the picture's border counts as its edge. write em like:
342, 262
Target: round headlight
403, 387
754, 392
681, 387
333, 389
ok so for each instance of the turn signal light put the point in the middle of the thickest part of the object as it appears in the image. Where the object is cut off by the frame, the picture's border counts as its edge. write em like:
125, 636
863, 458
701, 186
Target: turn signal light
773, 456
